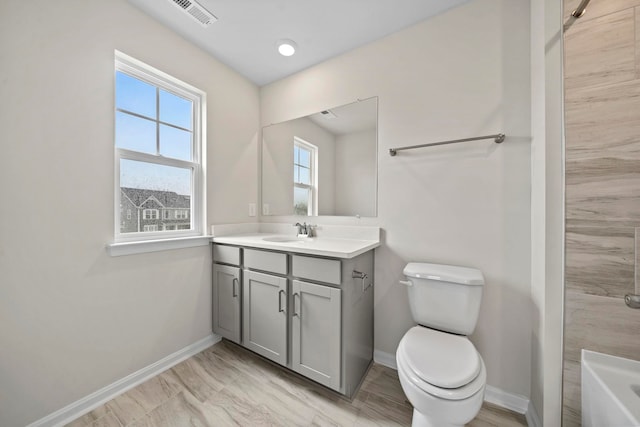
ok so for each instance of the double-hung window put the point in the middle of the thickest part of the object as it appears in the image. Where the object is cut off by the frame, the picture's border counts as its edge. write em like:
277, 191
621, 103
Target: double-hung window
304, 177
158, 153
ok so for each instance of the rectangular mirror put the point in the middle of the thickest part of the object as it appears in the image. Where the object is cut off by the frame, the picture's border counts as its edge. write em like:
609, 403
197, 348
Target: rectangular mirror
323, 164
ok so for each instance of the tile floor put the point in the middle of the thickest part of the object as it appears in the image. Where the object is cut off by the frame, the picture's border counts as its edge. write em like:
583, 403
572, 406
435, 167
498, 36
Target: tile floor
227, 385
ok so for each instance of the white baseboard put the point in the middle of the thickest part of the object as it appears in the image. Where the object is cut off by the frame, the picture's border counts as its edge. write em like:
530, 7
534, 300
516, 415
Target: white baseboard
385, 359
510, 401
532, 416
98, 398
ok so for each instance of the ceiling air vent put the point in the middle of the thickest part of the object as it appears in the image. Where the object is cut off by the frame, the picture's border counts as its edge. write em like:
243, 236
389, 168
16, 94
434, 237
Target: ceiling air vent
197, 12
328, 114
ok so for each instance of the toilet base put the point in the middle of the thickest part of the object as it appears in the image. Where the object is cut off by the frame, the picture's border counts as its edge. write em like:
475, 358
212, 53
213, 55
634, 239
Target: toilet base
441, 412
420, 420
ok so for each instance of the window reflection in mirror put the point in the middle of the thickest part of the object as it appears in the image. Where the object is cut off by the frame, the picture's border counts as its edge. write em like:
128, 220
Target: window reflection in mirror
332, 156
304, 180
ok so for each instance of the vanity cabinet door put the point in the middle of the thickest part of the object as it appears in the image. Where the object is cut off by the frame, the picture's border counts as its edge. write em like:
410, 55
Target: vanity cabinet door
226, 301
265, 315
316, 325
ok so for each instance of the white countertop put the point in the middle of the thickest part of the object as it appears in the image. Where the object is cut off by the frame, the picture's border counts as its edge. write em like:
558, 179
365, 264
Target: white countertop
321, 246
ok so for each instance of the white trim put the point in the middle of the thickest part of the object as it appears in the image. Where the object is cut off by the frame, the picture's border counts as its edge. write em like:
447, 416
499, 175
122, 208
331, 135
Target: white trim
532, 416
511, 401
139, 247
105, 394
144, 72
385, 359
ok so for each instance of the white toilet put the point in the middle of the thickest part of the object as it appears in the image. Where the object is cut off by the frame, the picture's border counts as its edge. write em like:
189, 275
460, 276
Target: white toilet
440, 370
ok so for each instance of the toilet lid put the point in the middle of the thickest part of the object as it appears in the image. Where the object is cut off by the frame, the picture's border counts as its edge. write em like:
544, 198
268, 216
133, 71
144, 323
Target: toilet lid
441, 359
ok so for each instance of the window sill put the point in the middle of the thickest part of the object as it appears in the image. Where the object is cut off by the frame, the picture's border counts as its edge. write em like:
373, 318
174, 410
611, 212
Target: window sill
144, 246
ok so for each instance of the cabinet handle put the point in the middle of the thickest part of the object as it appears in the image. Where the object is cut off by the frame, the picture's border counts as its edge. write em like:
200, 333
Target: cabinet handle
280, 309
294, 305
233, 290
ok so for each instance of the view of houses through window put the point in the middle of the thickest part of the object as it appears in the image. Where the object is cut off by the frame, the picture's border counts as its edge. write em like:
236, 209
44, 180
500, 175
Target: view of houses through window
153, 210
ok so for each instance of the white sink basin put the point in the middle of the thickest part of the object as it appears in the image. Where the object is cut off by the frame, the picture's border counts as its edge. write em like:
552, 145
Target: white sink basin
610, 390
281, 239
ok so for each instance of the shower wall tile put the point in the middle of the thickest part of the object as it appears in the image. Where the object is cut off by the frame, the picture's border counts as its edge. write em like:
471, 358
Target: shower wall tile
598, 7
600, 260
637, 262
600, 324
601, 52
604, 191
602, 176
637, 11
603, 122
571, 395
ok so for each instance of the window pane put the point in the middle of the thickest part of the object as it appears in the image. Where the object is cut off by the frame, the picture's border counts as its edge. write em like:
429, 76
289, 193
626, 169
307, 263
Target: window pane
305, 158
296, 173
134, 133
296, 154
304, 176
148, 189
175, 143
135, 95
300, 201
175, 110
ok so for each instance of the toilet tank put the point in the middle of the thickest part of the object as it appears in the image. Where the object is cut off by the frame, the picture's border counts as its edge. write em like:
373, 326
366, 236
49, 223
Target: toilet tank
444, 297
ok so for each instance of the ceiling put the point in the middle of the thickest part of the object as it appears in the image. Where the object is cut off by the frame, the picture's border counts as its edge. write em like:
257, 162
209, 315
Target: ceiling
246, 33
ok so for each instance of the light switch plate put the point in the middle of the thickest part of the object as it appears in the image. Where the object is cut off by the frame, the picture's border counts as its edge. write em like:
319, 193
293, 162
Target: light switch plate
252, 209
265, 209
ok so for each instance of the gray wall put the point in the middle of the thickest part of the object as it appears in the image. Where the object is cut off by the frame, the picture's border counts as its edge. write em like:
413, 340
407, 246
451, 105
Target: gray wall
460, 74
356, 167
73, 319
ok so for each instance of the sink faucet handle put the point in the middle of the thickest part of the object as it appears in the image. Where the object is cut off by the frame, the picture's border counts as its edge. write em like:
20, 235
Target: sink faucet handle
311, 229
302, 228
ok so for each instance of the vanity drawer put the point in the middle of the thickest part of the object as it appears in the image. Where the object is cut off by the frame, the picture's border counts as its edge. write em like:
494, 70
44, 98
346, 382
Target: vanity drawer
274, 262
226, 254
318, 269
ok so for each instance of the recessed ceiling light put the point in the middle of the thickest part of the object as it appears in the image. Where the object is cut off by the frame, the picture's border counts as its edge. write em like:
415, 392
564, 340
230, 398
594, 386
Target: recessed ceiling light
287, 47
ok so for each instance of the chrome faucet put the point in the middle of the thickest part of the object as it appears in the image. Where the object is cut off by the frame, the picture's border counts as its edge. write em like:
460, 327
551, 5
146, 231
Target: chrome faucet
302, 229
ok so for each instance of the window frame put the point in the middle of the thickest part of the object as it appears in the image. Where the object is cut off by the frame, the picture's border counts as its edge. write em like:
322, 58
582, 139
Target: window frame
312, 209
148, 74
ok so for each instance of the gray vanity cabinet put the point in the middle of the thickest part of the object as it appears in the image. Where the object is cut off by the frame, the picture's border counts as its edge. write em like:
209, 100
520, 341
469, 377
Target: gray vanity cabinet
315, 337
265, 315
312, 314
226, 301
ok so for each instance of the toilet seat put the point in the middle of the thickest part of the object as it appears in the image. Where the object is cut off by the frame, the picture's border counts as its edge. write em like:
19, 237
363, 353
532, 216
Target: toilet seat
444, 365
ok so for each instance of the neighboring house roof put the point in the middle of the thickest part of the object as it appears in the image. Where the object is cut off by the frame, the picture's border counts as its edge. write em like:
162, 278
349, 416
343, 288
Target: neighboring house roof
167, 199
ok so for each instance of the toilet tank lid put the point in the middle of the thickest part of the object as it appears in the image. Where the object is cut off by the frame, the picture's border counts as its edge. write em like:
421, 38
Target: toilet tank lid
444, 273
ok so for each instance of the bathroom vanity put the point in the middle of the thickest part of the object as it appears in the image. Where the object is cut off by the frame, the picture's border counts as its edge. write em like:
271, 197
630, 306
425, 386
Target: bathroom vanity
306, 304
